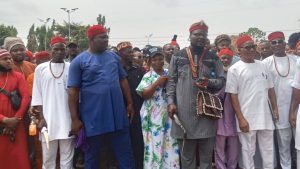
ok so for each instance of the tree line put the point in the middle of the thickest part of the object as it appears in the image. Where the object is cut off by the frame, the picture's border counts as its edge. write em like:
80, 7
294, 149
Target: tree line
39, 35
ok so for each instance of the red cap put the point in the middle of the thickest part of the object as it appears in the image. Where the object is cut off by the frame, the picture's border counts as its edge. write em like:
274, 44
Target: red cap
42, 55
275, 35
199, 25
57, 39
95, 30
29, 54
225, 51
4, 52
242, 39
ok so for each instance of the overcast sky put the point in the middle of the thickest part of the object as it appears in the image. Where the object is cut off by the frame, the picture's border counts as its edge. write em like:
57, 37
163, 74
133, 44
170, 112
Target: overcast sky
133, 20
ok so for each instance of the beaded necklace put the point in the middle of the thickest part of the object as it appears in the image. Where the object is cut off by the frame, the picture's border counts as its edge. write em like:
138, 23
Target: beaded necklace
278, 70
56, 77
195, 68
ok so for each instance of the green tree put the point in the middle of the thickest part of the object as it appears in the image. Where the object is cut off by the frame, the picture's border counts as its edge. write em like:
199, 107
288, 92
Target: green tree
79, 36
6, 31
44, 35
101, 21
255, 33
32, 43
40, 36
78, 33
63, 30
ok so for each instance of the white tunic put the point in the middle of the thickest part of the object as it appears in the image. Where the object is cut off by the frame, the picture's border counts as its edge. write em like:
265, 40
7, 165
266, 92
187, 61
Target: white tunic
296, 84
52, 94
251, 82
282, 85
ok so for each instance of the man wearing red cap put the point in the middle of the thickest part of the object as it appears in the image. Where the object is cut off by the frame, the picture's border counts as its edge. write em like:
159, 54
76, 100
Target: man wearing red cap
282, 68
192, 69
227, 141
250, 86
101, 80
13, 144
223, 41
50, 100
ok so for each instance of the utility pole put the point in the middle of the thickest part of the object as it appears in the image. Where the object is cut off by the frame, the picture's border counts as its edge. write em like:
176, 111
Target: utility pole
69, 11
45, 24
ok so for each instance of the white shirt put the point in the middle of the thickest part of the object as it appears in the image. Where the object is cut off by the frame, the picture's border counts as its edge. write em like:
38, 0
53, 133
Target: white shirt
282, 85
52, 94
296, 84
251, 81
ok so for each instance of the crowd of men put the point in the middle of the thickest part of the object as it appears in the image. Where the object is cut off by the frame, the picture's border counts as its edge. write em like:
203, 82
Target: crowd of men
132, 108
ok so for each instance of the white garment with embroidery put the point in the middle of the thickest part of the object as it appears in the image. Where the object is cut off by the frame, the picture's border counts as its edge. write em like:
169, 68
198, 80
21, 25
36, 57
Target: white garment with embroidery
251, 82
52, 94
282, 85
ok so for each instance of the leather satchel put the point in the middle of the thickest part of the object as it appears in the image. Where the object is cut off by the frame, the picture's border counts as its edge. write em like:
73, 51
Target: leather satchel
15, 98
209, 105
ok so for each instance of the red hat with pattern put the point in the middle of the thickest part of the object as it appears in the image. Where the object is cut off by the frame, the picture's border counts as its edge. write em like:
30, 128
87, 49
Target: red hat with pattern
95, 30
42, 55
198, 25
4, 52
242, 39
123, 45
57, 39
225, 51
275, 35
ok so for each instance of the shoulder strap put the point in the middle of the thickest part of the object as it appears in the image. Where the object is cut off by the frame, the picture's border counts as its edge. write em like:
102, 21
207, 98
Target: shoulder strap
5, 92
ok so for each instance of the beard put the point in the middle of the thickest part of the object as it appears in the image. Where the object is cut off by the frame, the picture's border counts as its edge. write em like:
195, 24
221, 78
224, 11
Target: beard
3, 69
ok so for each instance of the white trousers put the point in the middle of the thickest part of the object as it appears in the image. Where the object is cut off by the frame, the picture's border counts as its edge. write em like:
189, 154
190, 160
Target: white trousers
265, 143
66, 148
284, 138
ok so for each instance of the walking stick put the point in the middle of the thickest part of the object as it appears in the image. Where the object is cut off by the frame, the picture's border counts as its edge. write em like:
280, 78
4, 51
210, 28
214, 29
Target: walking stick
178, 122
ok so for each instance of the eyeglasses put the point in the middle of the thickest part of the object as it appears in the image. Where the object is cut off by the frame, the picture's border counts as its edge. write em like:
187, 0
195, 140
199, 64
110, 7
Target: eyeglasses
277, 42
249, 47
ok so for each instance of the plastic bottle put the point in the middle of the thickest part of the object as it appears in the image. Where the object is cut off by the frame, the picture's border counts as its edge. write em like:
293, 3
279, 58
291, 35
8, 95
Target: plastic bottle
32, 127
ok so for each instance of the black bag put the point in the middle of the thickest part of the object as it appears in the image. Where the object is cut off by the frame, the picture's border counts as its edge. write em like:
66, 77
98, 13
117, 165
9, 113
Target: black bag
15, 98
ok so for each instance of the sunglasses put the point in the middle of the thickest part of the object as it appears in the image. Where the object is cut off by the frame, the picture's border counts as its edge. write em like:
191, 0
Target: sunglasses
277, 42
249, 47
